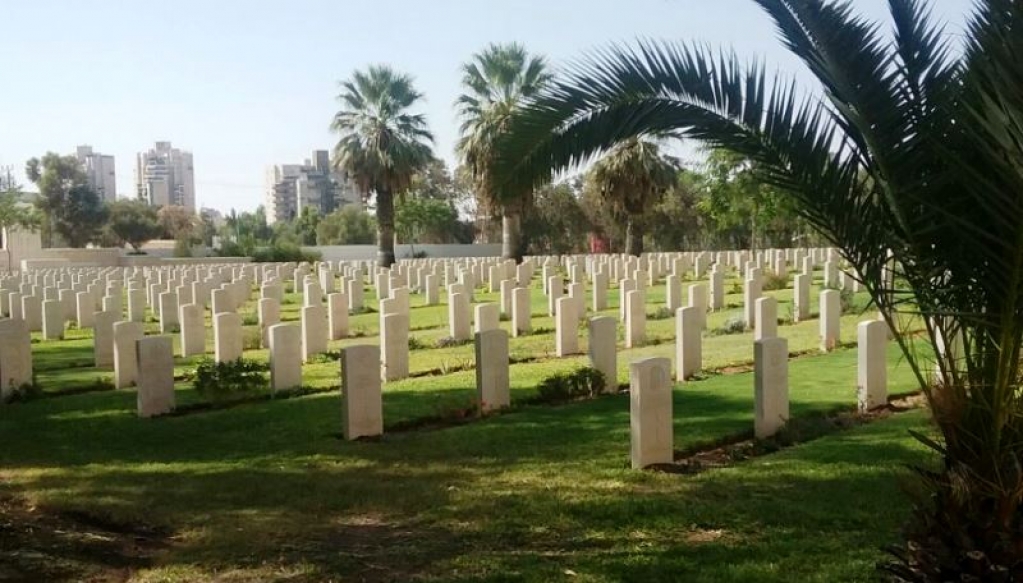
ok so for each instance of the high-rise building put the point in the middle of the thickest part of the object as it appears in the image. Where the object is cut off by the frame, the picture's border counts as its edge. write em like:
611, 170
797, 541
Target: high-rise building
99, 170
164, 176
313, 184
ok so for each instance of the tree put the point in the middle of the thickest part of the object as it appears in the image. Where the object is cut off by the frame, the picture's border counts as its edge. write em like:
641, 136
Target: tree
556, 223
305, 226
348, 225
70, 208
425, 220
178, 222
909, 162
496, 82
381, 144
633, 177
133, 222
14, 214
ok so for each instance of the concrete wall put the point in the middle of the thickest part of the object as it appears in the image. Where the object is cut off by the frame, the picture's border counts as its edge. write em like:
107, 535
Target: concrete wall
369, 252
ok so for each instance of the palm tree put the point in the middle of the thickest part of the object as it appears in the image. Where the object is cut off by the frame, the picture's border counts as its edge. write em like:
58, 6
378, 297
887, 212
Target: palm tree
381, 144
632, 178
910, 149
496, 82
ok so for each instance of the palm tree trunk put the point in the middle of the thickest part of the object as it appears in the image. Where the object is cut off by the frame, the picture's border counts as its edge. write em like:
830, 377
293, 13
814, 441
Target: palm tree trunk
633, 238
511, 235
385, 228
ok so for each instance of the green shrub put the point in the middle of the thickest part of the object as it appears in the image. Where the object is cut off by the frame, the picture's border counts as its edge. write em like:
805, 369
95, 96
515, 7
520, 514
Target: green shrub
661, 313
222, 380
581, 383
250, 320
773, 281
252, 339
25, 392
448, 342
733, 325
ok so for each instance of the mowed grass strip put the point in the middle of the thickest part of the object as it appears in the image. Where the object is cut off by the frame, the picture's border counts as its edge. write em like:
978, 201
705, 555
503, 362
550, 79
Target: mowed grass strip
267, 491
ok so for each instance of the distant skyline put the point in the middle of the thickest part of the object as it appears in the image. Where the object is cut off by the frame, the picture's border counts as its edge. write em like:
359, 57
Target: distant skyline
245, 85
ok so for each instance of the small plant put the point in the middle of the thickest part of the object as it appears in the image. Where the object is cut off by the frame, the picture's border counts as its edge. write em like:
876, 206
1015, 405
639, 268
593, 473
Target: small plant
250, 320
252, 339
414, 343
661, 313
581, 383
448, 342
733, 325
102, 384
329, 357
773, 281
221, 380
24, 393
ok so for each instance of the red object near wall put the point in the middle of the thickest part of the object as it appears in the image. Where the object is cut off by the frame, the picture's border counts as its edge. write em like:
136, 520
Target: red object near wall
599, 244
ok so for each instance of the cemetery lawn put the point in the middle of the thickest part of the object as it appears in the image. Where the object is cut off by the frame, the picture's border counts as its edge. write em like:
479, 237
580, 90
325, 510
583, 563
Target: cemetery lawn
268, 492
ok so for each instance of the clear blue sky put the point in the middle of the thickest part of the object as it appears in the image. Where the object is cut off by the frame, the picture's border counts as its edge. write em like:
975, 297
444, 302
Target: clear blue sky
247, 84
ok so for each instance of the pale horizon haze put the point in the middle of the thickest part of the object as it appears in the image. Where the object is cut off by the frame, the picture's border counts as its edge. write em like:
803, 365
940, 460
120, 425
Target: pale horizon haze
244, 85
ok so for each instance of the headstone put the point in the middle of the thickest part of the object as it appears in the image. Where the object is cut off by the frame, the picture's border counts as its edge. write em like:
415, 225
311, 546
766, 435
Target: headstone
137, 305
337, 310
492, 384
688, 343
488, 317
750, 294
155, 365
801, 297
227, 337
286, 356
126, 335
831, 319
766, 318
566, 328
771, 386
32, 312
521, 311
635, 321
603, 349
872, 365
673, 293
103, 339
15, 356
269, 313
53, 320
314, 331
600, 283
458, 317
650, 411
394, 333
192, 320
168, 312
361, 399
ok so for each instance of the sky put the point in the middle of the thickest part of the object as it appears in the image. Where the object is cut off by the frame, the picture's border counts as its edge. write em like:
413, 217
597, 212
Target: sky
247, 84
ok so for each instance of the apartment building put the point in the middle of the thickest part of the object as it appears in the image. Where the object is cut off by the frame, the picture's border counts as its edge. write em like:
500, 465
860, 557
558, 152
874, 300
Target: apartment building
165, 176
99, 170
313, 184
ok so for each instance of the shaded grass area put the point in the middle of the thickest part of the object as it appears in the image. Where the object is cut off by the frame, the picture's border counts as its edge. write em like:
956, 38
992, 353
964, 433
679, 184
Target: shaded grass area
268, 492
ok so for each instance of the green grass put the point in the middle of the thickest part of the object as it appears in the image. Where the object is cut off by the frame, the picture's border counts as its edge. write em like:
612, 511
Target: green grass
267, 491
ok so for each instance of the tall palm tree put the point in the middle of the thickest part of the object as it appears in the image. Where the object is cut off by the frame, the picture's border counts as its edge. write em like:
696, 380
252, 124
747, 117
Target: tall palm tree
496, 82
381, 144
632, 178
910, 148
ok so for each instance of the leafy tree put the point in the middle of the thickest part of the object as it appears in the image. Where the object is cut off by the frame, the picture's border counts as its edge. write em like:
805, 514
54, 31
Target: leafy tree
133, 222
425, 220
14, 214
70, 208
348, 225
676, 222
381, 144
631, 178
178, 222
496, 82
305, 226
556, 223
909, 163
